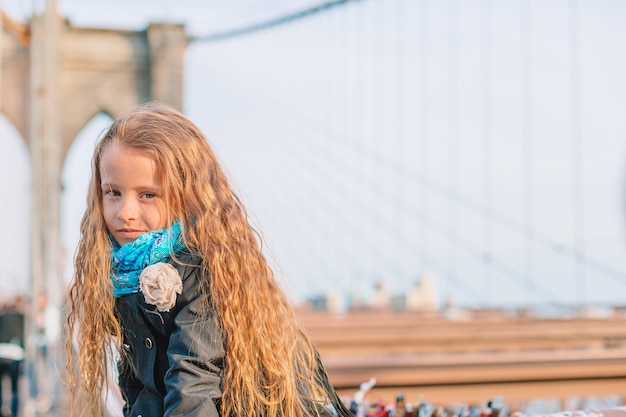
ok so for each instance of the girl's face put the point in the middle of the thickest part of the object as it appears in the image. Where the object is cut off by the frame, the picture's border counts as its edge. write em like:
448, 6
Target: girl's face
131, 193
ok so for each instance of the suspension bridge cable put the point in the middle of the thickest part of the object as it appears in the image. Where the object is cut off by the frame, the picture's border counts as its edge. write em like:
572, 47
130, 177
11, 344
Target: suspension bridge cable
250, 161
515, 225
577, 143
426, 183
487, 130
273, 22
327, 158
527, 136
577, 252
369, 114
470, 248
276, 131
315, 150
395, 79
453, 125
353, 126
422, 217
474, 250
386, 222
280, 197
402, 43
345, 221
423, 44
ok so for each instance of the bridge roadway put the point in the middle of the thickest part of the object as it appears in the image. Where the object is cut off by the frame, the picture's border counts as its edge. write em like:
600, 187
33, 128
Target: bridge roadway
470, 361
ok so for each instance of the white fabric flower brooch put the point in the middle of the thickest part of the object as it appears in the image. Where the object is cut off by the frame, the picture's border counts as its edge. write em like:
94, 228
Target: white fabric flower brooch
160, 283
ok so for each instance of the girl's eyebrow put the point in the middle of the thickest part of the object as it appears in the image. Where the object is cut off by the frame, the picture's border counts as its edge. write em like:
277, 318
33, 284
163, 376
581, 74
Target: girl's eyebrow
107, 187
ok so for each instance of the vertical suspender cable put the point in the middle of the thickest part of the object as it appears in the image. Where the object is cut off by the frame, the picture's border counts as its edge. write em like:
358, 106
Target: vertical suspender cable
350, 109
453, 133
527, 139
487, 139
377, 130
338, 118
322, 107
360, 90
330, 121
395, 79
577, 147
423, 128
400, 108
366, 103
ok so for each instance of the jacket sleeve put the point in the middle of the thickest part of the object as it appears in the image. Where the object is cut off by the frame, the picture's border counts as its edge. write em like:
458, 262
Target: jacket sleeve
195, 354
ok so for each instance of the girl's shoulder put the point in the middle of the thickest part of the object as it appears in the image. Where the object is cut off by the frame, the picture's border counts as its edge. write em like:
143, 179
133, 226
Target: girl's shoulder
190, 268
187, 262
187, 256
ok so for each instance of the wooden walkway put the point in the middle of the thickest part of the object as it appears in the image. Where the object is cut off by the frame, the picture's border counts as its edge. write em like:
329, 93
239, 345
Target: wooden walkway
471, 361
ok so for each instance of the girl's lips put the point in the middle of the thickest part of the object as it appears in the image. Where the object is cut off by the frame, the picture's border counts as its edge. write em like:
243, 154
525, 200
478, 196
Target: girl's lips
130, 233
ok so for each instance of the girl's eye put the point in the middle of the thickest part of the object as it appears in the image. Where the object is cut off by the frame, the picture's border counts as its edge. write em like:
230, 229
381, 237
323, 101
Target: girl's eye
149, 195
112, 193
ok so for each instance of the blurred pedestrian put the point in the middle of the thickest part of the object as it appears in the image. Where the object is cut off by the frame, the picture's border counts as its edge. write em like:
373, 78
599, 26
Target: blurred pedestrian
11, 358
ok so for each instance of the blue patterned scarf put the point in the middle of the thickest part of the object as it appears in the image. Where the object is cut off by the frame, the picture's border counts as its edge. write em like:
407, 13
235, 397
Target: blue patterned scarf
150, 248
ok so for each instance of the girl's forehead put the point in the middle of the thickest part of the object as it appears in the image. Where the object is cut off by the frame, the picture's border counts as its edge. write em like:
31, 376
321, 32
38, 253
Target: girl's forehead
116, 150
116, 158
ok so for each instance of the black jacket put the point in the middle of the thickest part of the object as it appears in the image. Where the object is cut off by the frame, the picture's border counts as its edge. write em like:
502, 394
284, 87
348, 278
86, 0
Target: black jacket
174, 360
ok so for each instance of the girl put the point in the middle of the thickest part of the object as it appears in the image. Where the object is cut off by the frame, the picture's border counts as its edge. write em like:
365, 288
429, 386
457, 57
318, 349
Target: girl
169, 272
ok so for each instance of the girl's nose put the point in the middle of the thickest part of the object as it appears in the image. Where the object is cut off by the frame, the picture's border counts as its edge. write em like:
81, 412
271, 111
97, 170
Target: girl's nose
127, 209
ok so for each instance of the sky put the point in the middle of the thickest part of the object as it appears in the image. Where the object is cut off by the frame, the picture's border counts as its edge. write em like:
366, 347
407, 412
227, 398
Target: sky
479, 142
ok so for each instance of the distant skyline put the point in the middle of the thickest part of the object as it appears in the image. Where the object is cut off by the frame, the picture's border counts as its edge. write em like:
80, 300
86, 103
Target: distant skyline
381, 141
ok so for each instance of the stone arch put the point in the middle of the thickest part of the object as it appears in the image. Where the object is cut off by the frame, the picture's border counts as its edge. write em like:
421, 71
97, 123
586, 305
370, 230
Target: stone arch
105, 70
54, 77
75, 176
14, 80
75, 130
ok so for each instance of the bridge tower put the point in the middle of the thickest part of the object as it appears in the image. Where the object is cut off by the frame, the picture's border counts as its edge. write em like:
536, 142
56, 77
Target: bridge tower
54, 78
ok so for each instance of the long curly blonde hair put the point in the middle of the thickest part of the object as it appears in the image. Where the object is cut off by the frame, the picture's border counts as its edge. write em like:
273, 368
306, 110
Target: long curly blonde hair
270, 363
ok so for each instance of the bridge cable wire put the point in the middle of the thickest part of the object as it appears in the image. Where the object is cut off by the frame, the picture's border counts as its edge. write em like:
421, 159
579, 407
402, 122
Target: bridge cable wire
354, 129
277, 131
314, 149
487, 133
577, 144
390, 82
577, 252
453, 129
371, 38
278, 195
273, 22
527, 139
401, 97
422, 217
423, 128
426, 183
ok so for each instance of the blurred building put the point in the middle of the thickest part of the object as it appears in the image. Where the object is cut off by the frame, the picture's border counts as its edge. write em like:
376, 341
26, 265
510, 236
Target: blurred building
423, 296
